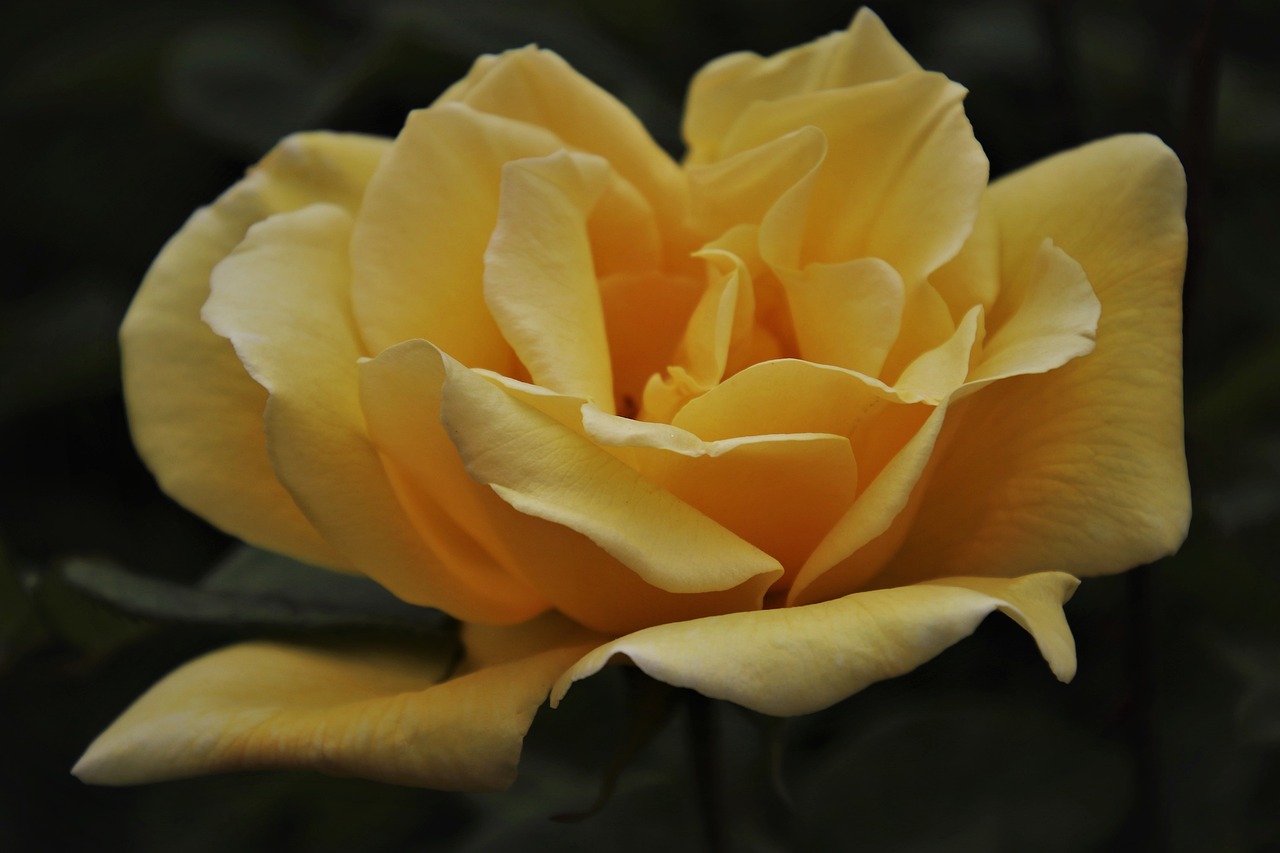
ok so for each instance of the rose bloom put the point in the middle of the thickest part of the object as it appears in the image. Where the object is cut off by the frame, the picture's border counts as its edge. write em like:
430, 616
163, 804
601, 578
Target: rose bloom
773, 423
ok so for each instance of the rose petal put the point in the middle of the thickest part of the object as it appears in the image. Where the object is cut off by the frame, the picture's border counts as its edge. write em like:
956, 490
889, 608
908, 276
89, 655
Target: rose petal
723, 90
538, 87
1056, 320
798, 660
539, 281
901, 181
380, 710
282, 300
1082, 468
544, 469
179, 376
402, 391
418, 247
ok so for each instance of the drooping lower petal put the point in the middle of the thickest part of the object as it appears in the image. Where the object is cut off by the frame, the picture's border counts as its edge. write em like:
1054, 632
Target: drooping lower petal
381, 710
797, 660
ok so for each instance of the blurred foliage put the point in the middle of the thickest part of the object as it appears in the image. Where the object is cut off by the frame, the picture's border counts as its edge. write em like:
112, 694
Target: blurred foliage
122, 118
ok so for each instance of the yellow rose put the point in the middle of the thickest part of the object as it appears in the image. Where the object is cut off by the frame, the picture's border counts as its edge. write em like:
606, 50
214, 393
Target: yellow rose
772, 424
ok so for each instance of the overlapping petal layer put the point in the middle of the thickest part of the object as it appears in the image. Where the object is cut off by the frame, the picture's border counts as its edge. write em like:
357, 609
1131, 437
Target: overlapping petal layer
180, 377
390, 711
796, 660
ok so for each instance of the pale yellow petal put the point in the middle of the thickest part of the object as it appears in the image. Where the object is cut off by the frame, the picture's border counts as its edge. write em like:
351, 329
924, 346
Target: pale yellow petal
901, 181
539, 88
180, 378
742, 188
381, 710
796, 660
846, 314
863, 539
419, 242
721, 91
402, 391
1054, 320
1082, 468
539, 280
282, 300
544, 469
941, 370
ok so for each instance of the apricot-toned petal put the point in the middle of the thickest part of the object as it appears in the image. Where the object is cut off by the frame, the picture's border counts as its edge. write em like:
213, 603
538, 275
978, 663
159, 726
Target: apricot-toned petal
419, 243
781, 493
645, 315
796, 660
196, 416
721, 91
724, 316
902, 179
1056, 320
846, 314
742, 188
786, 396
549, 471
379, 710
539, 88
402, 390
842, 562
539, 281
1082, 468
943, 369
281, 298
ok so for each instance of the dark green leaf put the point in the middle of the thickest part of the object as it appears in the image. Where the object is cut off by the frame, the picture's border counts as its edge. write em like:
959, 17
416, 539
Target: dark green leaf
255, 590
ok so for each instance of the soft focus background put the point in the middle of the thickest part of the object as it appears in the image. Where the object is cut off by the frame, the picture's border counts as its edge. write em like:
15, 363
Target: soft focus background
120, 118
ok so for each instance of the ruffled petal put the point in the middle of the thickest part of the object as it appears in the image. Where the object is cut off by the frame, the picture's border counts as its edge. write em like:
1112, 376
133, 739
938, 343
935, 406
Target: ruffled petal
179, 376
797, 660
539, 88
539, 280
403, 389
282, 300
722, 91
1080, 469
545, 469
902, 178
380, 710
419, 243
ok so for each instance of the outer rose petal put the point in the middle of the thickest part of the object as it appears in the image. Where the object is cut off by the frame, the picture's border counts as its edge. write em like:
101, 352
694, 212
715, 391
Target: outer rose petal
1080, 469
797, 660
282, 299
721, 91
180, 377
381, 711
540, 88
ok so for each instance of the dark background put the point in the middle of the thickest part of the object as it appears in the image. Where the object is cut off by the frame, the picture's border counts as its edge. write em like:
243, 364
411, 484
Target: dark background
118, 119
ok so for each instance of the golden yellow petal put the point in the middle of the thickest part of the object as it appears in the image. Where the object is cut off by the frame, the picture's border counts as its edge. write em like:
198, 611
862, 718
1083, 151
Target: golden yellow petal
539, 279
541, 89
418, 248
282, 299
402, 390
180, 377
1080, 469
796, 660
382, 710
722, 91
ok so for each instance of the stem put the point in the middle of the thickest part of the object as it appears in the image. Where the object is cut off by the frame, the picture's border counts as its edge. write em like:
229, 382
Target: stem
704, 743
